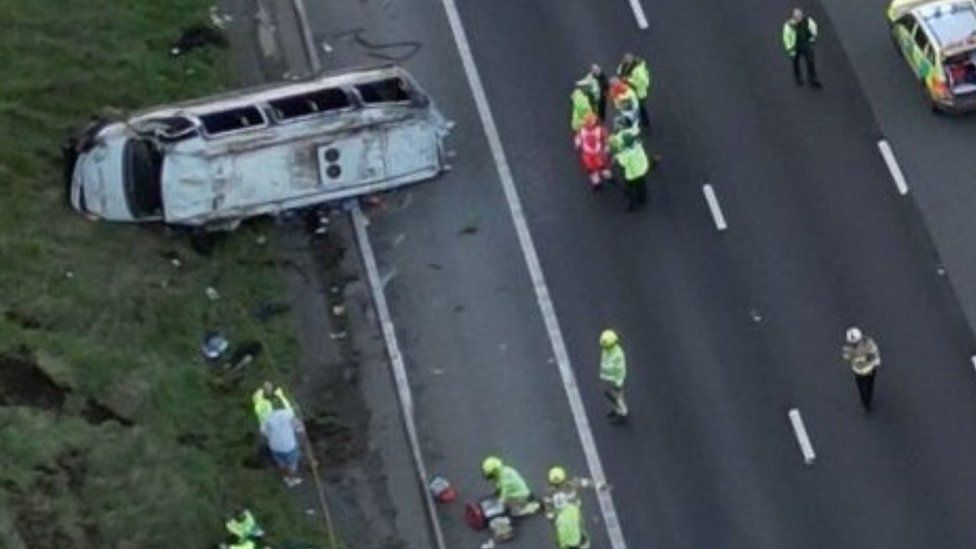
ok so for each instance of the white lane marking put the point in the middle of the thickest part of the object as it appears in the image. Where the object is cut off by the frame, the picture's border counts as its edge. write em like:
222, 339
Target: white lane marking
715, 207
801, 436
399, 370
635, 6
610, 519
893, 167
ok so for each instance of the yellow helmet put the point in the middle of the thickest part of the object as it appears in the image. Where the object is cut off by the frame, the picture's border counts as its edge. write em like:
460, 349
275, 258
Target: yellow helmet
491, 466
557, 475
608, 338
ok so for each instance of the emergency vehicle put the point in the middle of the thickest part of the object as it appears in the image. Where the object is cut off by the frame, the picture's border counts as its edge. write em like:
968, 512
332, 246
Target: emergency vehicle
938, 39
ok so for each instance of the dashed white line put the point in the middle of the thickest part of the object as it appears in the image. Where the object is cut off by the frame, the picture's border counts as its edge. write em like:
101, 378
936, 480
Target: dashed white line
715, 207
638, 10
802, 438
568, 377
893, 167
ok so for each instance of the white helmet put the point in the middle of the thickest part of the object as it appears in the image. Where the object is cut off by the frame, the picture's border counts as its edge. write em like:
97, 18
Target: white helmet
854, 335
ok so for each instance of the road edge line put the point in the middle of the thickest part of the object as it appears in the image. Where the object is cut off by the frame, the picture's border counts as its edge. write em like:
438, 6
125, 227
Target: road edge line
893, 168
546, 307
802, 438
397, 366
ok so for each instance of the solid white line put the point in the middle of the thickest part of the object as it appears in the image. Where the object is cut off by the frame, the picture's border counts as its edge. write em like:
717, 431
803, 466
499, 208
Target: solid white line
714, 206
587, 440
801, 436
893, 167
399, 370
635, 6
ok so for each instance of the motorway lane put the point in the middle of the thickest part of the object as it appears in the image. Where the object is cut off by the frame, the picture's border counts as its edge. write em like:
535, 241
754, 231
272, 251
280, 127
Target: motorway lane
818, 239
936, 152
478, 357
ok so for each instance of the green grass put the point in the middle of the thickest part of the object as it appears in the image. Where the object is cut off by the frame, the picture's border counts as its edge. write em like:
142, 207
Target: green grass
111, 318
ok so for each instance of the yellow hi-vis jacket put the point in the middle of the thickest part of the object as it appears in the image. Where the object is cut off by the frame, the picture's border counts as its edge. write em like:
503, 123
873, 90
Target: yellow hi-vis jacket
263, 406
569, 526
613, 365
581, 107
511, 485
634, 161
789, 33
637, 76
244, 528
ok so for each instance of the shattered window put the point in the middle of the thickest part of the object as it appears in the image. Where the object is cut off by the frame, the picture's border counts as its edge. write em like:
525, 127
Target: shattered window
231, 120
390, 90
295, 106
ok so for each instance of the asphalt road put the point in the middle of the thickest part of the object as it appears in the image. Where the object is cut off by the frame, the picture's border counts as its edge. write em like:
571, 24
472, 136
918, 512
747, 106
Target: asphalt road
725, 331
935, 152
818, 240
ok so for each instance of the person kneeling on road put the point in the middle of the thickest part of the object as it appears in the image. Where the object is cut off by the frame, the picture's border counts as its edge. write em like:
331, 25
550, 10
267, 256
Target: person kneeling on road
512, 492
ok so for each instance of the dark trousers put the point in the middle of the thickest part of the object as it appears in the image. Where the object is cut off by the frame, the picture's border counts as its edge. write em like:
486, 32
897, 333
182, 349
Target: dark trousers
645, 120
636, 192
865, 386
806, 54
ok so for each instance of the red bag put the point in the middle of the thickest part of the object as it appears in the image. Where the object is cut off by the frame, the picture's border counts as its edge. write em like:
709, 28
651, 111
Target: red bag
474, 516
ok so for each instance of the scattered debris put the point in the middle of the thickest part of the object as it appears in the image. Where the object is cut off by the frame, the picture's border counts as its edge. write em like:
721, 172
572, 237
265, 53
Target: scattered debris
173, 258
198, 36
441, 490
219, 20
69, 274
470, 229
212, 293
266, 311
214, 345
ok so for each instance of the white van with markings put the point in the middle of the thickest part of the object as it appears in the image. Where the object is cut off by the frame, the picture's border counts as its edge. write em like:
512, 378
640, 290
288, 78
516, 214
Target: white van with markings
215, 161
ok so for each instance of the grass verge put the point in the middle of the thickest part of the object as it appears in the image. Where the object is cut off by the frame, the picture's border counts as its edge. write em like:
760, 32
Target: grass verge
113, 432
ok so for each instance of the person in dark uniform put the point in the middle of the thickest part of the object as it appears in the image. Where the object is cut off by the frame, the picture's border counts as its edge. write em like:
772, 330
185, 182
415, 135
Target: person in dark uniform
861, 353
799, 36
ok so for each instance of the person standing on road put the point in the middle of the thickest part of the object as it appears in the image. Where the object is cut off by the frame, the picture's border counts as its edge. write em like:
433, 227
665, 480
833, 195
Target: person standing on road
629, 154
613, 372
280, 429
633, 70
581, 106
595, 84
799, 35
861, 353
593, 144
